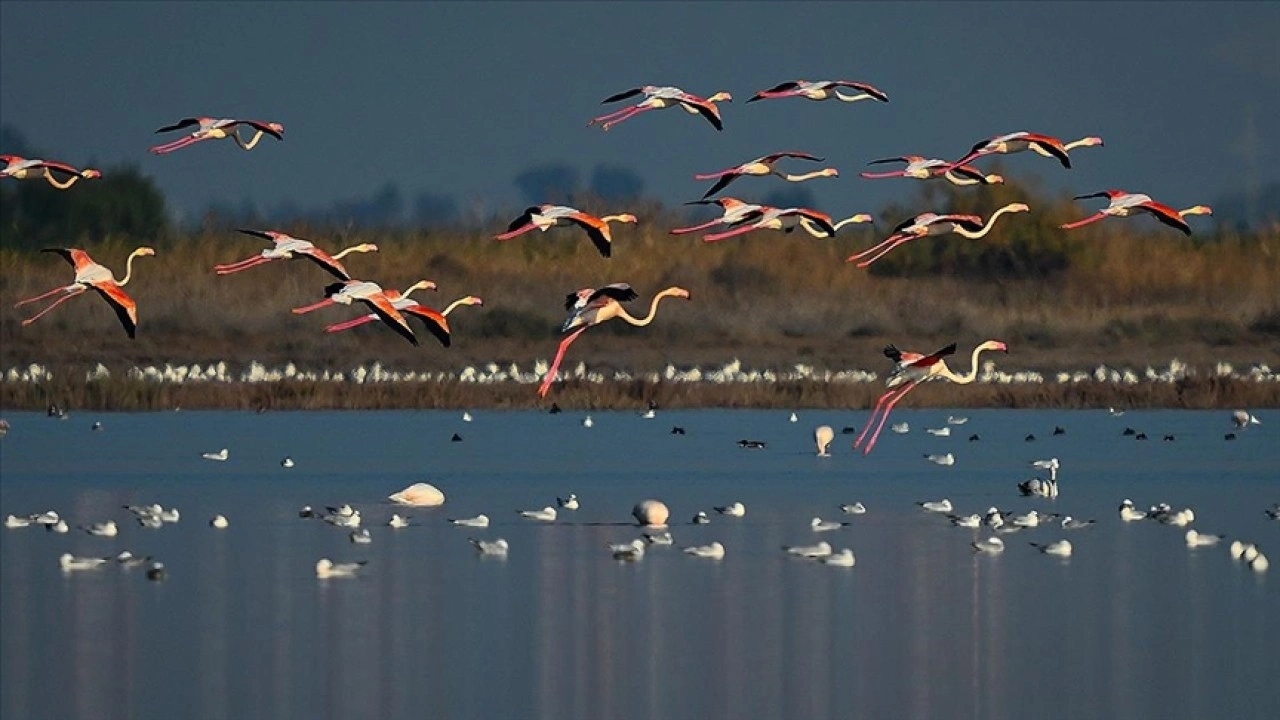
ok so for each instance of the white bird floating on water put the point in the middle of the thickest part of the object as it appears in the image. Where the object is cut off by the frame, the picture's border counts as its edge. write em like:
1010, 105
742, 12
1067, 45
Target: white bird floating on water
1050, 464
947, 459
128, 560
103, 529
1114, 412
59, 527
736, 509
546, 514
418, 495
1259, 563
714, 551
821, 549
819, 525
479, 521
569, 503
794, 418
954, 420
854, 509
397, 521
822, 437
1198, 539
844, 558
1129, 513
992, 545
219, 522
966, 521
587, 421
939, 432
1070, 523
1242, 419
287, 462
220, 456
361, 536
69, 562
326, 568
631, 551
900, 428
938, 506
1061, 548
466, 416
662, 538
13, 522
344, 517
701, 518
497, 547
1029, 520
46, 518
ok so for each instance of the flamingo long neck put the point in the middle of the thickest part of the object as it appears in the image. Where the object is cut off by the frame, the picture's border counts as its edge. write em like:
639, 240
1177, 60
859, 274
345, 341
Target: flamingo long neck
1196, 210
348, 251
60, 185
805, 176
852, 219
991, 222
456, 304
247, 145
653, 309
128, 267
852, 98
615, 218
1082, 142
967, 378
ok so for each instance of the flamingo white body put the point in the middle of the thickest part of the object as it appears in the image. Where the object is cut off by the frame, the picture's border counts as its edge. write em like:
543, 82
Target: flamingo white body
69, 562
658, 97
546, 514
774, 218
714, 551
436, 322
930, 224
498, 547
479, 521
1061, 548
817, 550
910, 370
822, 90
736, 509
545, 217
418, 495
372, 295
1045, 145
287, 247
843, 558
326, 569
761, 167
991, 545
823, 437
591, 306
937, 506
208, 128
1125, 204
92, 276
733, 211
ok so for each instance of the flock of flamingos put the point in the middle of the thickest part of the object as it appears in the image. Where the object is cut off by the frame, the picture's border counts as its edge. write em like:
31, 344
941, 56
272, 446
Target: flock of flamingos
592, 306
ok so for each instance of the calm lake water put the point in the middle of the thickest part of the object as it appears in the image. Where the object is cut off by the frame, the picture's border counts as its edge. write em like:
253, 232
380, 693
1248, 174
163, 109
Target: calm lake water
1134, 625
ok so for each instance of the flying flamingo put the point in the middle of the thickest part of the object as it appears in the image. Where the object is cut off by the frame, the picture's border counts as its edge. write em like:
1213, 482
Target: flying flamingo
1124, 204
913, 369
371, 294
817, 231
821, 90
772, 218
436, 322
734, 211
289, 247
660, 97
21, 168
1045, 145
91, 275
216, 129
545, 217
764, 166
922, 168
969, 226
589, 307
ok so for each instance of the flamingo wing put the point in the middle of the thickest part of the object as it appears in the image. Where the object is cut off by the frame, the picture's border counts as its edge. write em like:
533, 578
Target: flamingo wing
78, 258
935, 356
721, 184
525, 218
1166, 215
707, 109
325, 260
774, 157
909, 222
822, 219
871, 90
436, 323
622, 95
1053, 146
596, 229
621, 292
883, 161
262, 126
970, 172
389, 315
183, 123
60, 167
893, 353
264, 234
1100, 194
126, 309
783, 87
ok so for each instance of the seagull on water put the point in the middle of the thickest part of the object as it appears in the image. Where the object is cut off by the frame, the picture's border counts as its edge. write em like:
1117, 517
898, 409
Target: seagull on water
466, 416
546, 514
900, 428
938, 506
128, 560
287, 462
663, 538
632, 551
569, 503
219, 522
956, 420
220, 456
1029, 520
397, 521
701, 518
69, 562
820, 525
1129, 513
361, 536
326, 568
588, 422
947, 459
103, 529
1061, 548
714, 551
940, 432
497, 547
821, 549
1070, 523
844, 558
854, 509
479, 521
1243, 419
992, 545
1197, 539
736, 509
13, 521
966, 521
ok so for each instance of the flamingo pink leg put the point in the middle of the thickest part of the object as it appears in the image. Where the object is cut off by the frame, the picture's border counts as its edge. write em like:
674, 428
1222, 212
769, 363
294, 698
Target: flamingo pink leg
867, 263
176, 144
339, 327
51, 293
70, 294
517, 232
315, 306
696, 228
877, 176
713, 176
882, 244
1091, 219
885, 416
872, 420
612, 115
963, 161
627, 115
242, 265
555, 365
713, 237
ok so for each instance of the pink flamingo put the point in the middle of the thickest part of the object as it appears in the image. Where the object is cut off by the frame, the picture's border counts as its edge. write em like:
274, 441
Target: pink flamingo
91, 275
911, 370
589, 307
922, 168
216, 129
762, 166
1125, 204
545, 217
660, 97
772, 218
371, 294
1045, 145
734, 211
21, 168
822, 90
970, 226
288, 247
436, 322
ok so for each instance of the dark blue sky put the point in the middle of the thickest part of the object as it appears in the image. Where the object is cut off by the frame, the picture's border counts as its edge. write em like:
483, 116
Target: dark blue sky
456, 99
